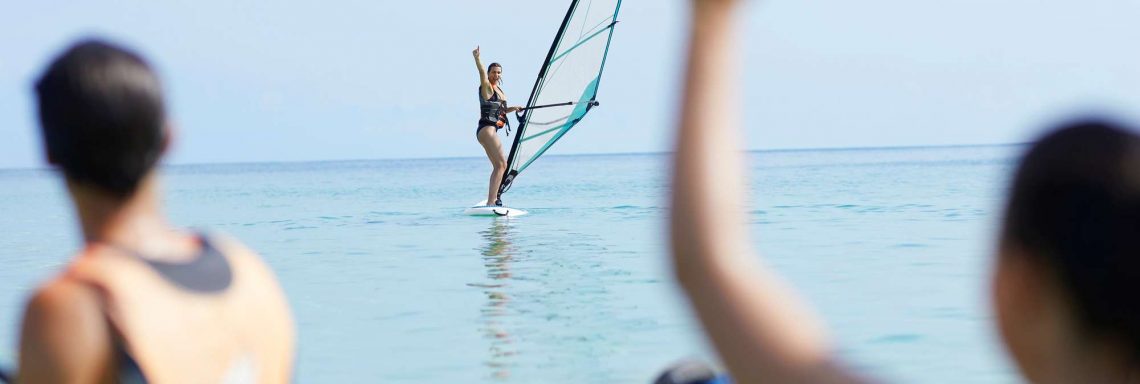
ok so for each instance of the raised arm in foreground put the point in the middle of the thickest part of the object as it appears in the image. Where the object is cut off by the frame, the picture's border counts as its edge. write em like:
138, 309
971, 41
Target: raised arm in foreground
761, 330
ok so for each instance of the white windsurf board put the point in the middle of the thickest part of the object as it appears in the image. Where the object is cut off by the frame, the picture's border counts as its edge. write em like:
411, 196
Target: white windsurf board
482, 209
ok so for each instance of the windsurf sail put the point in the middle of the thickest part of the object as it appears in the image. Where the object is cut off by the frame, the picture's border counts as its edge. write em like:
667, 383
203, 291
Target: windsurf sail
567, 84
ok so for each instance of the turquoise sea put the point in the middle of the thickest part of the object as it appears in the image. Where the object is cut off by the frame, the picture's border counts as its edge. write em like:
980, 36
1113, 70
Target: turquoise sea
390, 282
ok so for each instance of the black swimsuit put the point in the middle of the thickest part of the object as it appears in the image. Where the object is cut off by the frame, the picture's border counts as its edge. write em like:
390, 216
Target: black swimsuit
487, 111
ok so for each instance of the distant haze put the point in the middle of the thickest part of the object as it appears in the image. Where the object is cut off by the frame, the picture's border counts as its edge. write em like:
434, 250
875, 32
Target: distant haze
294, 81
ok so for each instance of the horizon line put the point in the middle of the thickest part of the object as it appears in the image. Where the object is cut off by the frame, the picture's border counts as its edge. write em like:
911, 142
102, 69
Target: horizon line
796, 149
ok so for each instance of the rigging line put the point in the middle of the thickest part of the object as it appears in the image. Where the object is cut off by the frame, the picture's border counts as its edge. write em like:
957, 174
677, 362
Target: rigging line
556, 69
580, 42
588, 6
593, 30
600, 24
550, 74
553, 71
558, 120
545, 132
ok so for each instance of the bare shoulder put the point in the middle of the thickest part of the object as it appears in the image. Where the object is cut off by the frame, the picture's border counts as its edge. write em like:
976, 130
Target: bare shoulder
63, 300
65, 336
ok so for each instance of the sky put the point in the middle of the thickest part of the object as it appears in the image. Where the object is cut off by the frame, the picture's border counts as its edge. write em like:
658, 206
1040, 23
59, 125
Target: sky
302, 81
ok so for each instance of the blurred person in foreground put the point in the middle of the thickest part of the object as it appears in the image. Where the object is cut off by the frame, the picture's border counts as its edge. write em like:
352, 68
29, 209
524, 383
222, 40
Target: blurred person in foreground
1065, 275
142, 301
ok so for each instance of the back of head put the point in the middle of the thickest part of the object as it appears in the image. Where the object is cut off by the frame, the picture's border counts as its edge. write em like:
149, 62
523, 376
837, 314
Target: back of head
102, 116
1075, 209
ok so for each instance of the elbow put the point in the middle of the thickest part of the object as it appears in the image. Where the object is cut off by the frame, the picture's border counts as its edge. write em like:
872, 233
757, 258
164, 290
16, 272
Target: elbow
700, 259
687, 243
686, 263
684, 278
682, 252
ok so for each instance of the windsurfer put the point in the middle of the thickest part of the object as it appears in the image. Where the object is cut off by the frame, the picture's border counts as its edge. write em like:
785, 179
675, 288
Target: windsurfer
492, 117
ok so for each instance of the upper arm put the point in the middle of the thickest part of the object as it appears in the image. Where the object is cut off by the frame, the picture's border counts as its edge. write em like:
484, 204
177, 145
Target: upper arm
65, 337
485, 89
484, 83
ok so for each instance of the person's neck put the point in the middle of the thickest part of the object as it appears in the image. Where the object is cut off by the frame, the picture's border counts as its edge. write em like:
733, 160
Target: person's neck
135, 222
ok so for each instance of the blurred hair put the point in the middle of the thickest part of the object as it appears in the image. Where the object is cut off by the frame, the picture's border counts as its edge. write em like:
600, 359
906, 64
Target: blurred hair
102, 116
1074, 207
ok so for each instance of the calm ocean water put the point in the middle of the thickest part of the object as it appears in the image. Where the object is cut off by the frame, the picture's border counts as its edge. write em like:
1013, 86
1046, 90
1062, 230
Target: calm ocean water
391, 283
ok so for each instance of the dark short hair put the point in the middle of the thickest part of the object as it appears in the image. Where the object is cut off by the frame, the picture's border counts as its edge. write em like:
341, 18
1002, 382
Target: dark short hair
102, 116
493, 65
1075, 208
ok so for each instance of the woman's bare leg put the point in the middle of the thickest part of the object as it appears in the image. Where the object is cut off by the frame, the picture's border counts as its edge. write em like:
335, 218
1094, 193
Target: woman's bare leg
494, 148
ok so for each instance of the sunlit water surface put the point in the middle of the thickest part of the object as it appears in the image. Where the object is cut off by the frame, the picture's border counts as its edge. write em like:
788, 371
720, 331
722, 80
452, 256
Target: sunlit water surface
390, 282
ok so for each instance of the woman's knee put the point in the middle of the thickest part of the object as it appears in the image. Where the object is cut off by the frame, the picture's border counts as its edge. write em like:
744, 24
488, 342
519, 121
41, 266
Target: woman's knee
500, 165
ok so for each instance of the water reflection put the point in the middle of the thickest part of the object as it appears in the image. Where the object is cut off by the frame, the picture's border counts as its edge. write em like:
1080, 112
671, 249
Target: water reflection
498, 254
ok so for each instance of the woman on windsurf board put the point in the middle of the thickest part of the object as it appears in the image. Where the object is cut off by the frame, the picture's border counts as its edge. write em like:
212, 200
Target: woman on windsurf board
493, 112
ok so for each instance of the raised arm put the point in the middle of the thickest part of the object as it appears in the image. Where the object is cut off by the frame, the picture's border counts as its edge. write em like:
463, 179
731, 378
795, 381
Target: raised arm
761, 330
484, 84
